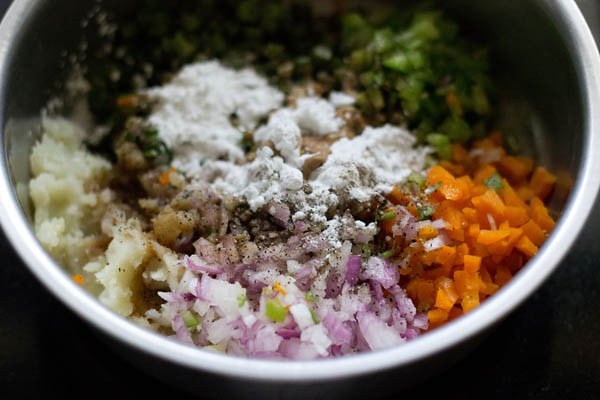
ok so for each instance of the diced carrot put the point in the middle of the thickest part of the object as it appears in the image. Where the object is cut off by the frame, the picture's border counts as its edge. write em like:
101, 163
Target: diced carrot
471, 263
510, 196
437, 315
459, 153
516, 216
502, 276
489, 202
396, 196
515, 168
425, 291
77, 278
526, 246
165, 178
542, 182
489, 287
445, 255
470, 300
446, 295
450, 188
455, 219
494, 231
484, 172
443, 301
473, 230
525, 193
470, 214
434, 273
504, 247
488, 236
540, 214
427, 232
461, 251
464, 281
533, 231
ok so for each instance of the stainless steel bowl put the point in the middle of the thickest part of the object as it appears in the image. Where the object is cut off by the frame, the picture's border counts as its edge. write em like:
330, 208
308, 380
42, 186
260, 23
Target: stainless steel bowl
549, 62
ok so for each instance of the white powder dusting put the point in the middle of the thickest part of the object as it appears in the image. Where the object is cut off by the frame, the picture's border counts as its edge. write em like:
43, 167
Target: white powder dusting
317, 116
192, 112
193, 117
311, 116
285, 134
340, 99
372, 161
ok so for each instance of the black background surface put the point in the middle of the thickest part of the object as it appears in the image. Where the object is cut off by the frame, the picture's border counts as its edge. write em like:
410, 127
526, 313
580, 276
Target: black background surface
549, 348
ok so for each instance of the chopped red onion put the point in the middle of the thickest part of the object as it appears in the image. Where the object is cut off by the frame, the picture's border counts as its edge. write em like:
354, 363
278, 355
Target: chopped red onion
353, 269
381, 271
181, 331
377, 333
194, 263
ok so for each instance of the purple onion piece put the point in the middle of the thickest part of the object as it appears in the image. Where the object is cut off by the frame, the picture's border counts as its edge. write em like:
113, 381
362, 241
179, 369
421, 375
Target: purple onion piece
353, 269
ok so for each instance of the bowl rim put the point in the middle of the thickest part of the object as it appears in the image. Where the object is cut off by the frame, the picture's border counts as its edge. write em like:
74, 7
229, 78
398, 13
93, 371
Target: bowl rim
17, 229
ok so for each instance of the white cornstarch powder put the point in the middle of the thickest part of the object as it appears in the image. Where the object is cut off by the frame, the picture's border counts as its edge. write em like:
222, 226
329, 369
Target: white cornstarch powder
194, 111
193, 117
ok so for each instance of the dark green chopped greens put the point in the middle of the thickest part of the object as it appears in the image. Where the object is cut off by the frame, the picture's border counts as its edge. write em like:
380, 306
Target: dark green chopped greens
407, 67
151, 145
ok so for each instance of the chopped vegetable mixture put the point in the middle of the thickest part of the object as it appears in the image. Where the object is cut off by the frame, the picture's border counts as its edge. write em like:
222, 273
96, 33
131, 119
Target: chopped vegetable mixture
279, 184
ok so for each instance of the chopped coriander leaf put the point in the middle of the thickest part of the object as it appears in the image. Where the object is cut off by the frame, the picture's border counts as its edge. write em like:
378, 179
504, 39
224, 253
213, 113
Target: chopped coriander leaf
432, 188
310, 297
388, 254
367, 251
425, 212
416, 178
388, 215
494, 181
314, 316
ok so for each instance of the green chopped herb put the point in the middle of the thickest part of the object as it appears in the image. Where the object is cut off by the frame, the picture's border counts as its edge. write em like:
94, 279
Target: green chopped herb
432, 188
425, 211
314, 316
241, 300
494, 181
367, 250
441, 144
388, 215
189, 319
416, 178
388, 254
150, 144
310, 297
275, 311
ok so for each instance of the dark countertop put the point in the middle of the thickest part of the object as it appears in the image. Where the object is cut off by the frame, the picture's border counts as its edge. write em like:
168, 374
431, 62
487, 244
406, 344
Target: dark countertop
549, 348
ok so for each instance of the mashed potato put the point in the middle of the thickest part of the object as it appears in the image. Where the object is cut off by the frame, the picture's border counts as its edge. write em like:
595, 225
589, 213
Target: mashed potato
75, 219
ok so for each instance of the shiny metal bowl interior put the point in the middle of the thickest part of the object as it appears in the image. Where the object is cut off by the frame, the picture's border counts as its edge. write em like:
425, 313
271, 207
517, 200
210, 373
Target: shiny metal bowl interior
543, 51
